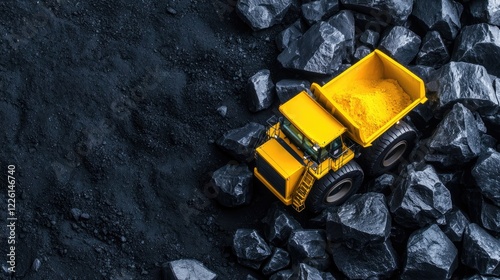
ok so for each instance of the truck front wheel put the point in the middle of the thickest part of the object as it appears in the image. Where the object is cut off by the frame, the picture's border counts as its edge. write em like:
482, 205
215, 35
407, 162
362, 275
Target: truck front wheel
388, 149
335, 187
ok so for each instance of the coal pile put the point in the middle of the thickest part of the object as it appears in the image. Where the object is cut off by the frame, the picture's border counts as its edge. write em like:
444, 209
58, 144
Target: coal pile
133, 127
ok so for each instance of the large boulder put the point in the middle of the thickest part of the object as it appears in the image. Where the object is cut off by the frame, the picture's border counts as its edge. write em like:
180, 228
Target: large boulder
290, 34
439, 15
344, 22
375, 260
241, 142
420, 198
457, 138
455, 225
260, 91
430, 255
187, 269
250, 248
481, 251
278, 225
308, 246
286, 89
400, 43
486, 172
233, 185
433, 51
261, 14
487, 11
394, 11
467, 83
320, 50
279, 259
478, 44
361, 220
318, 10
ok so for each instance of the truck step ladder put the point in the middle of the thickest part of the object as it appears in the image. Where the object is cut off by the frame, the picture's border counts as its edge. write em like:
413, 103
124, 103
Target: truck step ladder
300, 195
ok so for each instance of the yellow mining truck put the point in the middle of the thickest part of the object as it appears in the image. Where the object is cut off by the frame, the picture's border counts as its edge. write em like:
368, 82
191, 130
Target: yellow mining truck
309, 155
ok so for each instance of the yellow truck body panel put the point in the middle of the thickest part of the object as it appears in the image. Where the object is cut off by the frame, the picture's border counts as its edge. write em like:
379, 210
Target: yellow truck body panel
376, 65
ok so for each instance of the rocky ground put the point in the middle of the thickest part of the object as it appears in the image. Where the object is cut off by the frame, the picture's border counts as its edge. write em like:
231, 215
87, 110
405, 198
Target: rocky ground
113, 114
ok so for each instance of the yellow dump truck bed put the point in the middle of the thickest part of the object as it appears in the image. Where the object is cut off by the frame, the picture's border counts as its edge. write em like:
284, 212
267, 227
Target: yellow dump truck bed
371, 96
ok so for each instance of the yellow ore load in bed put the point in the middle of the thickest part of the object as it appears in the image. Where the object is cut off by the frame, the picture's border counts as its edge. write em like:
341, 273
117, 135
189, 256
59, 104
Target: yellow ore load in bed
372, 103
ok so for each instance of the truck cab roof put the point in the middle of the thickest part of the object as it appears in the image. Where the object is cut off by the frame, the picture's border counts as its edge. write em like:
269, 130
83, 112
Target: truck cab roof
312, 120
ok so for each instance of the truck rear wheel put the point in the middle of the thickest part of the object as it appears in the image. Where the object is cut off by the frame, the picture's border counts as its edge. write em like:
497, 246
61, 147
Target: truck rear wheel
388, 149
335, 187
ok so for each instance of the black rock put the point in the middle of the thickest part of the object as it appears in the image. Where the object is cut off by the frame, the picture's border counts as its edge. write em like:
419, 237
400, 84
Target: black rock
369, 38
187, 269
487, 11
439, 15
278, 225
250, 248
377, 23
222, 110
250, 277
482, 212
433, 52
306, 272
400, 43
361, 52
478, 44
394, 11
486, 172
382, 183
241, 142
233, 185
76, 213
375, 260
430, 255
327, 276
279, 259
261, 14
290, 34
457, 138
481, 251
420, 198
426, 73
487, 142
344, 22
308, 246
282, 275
260, 91
481, 277
456, 222
317, 10
319, 50
466, 83
361, 220
286, 89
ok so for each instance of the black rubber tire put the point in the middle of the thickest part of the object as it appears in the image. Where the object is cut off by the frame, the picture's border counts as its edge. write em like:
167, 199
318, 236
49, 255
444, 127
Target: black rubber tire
388, 149
320, 196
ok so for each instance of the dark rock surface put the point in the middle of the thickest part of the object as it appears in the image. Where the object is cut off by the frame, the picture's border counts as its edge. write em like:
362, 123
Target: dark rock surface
369, 38
420, 198
187, 269
250, 248
282, 275
260, 91
290, 34
375, 260
486, 172
308, 246
319, 50
433, 51
400, 43
241, 142
456, 222
430, 255
363, 219
487, 11
286, 89
426, 73
481, 251
306, 272
395, 11
361, 52
457, 138
343, 21
278, 225
233, 185
279, 259
440, 15
478, 44
261, 14
318, 10
482, 211
382, 183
